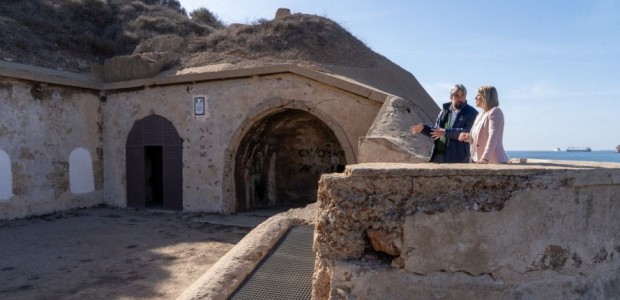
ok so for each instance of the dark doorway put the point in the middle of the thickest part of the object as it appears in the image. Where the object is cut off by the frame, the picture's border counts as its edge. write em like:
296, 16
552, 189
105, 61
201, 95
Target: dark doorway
154, 160
153, 176
280, 160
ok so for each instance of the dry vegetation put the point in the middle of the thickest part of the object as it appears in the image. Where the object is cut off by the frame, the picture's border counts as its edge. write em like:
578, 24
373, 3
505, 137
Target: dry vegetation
296, 38
73, 34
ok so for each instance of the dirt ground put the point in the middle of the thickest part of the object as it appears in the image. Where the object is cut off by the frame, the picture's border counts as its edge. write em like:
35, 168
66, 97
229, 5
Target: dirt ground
109, 253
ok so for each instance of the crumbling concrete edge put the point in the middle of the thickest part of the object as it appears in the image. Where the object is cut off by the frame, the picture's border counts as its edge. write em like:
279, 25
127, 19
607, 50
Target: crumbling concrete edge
388, 139
225, 276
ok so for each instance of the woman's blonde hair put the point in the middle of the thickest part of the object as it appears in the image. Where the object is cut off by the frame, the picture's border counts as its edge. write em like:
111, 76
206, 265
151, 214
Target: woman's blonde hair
489, 96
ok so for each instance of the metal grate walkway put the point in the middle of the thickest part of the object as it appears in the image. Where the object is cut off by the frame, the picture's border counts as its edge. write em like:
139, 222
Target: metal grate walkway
285, 273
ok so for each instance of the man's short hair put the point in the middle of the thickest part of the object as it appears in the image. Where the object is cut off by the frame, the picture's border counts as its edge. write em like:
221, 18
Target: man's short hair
457, 87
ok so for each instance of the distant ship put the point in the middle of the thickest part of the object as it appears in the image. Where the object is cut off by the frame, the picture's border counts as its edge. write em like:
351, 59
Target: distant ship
578, 149
618, 148
557, 149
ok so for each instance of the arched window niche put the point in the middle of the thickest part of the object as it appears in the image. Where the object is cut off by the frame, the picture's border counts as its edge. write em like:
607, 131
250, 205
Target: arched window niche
6, 177
81, 178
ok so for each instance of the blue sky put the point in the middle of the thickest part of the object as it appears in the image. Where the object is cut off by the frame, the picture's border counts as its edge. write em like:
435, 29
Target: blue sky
556, 64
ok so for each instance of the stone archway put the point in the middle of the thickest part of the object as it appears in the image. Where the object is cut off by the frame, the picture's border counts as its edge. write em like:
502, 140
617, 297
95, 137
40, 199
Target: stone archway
281, 158
154, 161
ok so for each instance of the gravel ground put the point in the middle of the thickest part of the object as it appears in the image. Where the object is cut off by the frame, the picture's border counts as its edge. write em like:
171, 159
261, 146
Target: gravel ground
109, 253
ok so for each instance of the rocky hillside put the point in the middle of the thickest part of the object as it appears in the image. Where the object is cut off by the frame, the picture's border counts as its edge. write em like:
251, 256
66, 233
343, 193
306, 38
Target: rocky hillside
73, 35
293, 38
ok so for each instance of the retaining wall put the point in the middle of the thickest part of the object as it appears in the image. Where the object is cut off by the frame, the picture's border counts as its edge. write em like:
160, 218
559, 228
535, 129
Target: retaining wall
539, 230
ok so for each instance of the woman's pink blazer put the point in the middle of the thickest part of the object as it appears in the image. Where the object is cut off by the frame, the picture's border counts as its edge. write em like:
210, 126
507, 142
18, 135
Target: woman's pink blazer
490, 145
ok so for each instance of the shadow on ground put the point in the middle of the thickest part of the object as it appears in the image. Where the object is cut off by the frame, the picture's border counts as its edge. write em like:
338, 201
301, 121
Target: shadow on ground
112, 253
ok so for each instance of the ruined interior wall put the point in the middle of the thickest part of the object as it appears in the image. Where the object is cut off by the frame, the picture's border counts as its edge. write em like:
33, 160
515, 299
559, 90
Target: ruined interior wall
280, 161
537, 230
40, 126
209, 141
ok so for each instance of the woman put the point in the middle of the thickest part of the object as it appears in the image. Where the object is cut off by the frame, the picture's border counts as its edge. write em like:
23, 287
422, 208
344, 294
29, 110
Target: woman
486, 135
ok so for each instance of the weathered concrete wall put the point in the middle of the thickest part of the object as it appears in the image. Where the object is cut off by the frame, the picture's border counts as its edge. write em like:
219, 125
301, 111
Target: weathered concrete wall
538, 230
233, 107
55, 117
389, 139
41, 125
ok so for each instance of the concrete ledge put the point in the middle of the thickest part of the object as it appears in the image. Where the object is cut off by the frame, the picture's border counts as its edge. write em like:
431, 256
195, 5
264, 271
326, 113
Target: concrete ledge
39, 74
542, 229
383, 282
225, 276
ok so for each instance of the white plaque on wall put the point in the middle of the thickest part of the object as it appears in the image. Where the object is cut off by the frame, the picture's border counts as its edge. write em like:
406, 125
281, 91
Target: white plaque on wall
200, 105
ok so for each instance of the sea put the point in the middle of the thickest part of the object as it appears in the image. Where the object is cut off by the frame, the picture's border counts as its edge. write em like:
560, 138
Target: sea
601, 155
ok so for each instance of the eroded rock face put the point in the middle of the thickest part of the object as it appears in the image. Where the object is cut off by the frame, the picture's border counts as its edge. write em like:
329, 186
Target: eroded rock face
536, 230
384, 241
136, 66
282, 13
164, 43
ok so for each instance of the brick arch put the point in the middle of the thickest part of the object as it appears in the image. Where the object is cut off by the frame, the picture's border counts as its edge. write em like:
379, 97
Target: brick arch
154, 157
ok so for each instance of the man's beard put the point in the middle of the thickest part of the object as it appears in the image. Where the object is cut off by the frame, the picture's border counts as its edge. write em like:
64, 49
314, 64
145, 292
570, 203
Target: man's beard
458, 105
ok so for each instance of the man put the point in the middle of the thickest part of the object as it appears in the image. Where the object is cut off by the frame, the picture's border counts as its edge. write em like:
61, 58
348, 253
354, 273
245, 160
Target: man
456, 117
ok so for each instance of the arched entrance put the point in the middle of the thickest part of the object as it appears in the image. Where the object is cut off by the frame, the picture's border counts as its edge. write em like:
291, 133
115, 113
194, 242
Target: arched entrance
280, 160
154, 160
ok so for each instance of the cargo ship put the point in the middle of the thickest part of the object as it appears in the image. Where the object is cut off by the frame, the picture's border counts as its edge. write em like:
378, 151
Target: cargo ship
618, 148
578, 149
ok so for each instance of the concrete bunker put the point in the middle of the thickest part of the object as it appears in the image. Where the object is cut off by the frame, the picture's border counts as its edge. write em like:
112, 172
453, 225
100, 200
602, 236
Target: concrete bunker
280, 159
154, 152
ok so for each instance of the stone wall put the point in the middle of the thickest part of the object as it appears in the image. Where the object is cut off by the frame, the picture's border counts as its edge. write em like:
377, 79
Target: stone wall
538, 230
50, 138
234, 108
54, 123
60, 130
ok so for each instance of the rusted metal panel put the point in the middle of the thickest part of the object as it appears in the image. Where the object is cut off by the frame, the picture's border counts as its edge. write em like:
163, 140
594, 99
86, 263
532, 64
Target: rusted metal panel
135, 137
154, 131
173, 176
170, 135
135, 176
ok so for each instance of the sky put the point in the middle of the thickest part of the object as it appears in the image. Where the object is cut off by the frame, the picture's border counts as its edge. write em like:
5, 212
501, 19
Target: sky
555, 63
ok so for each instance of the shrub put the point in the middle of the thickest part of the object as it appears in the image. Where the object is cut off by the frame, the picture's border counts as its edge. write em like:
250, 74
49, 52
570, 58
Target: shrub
173, 4
204, 16
156, 24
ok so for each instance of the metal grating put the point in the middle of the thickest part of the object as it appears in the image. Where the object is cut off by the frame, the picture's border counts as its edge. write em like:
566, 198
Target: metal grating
285, 273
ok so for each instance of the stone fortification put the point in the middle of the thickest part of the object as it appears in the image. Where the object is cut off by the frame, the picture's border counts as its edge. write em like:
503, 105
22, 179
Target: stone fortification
540, 230
57, 128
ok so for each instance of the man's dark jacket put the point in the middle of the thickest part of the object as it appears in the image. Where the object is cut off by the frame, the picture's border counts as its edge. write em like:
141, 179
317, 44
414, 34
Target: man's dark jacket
455, 151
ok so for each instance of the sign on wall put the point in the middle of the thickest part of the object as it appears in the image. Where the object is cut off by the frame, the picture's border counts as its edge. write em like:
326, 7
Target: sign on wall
199, 105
